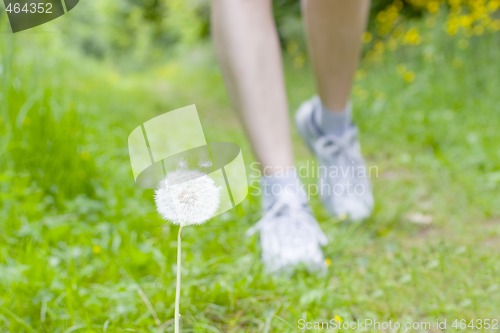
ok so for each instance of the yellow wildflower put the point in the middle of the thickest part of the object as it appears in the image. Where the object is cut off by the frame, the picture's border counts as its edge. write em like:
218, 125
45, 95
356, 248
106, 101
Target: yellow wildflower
465, 21
412, 37
299, 61
367, 37
96, 249
493, 6
452, 27
433, 7
409, 77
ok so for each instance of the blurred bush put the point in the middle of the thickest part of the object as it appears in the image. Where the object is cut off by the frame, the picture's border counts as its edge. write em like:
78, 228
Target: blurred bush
137, 31
460, 19
140, 31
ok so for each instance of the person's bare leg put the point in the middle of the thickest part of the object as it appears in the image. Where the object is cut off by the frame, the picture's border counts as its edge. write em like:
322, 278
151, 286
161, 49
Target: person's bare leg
248, 51
334, 30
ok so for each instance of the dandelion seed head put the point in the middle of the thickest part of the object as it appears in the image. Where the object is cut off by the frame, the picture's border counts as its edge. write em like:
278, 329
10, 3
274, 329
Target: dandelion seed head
187, 197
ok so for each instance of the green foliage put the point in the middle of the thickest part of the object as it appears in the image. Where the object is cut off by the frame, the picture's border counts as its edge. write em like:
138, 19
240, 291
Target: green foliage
44, 135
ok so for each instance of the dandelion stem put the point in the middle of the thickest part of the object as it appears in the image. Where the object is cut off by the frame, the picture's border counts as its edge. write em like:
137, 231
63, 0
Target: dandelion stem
178, 285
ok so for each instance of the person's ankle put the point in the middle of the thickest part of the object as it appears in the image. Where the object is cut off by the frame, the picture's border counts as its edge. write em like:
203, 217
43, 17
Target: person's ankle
273, 185
333, 122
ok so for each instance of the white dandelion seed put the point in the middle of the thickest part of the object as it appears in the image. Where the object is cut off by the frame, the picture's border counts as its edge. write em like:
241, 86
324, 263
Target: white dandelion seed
205, 164
183, 164
187, 197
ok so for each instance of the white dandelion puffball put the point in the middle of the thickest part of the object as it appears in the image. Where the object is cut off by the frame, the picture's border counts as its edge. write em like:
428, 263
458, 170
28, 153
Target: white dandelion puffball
187, 197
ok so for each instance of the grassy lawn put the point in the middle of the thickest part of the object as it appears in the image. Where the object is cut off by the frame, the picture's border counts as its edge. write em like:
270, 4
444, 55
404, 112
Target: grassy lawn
83, 250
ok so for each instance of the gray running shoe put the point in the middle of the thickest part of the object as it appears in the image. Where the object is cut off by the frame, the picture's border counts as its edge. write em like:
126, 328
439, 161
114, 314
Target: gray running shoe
343, 179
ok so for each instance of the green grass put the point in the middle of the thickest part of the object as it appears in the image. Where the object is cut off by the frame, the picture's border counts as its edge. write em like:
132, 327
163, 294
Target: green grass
83, 250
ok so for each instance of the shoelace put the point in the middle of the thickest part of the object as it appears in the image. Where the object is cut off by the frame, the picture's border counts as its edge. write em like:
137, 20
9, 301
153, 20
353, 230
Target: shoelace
340, 152
299, 217
330, 145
